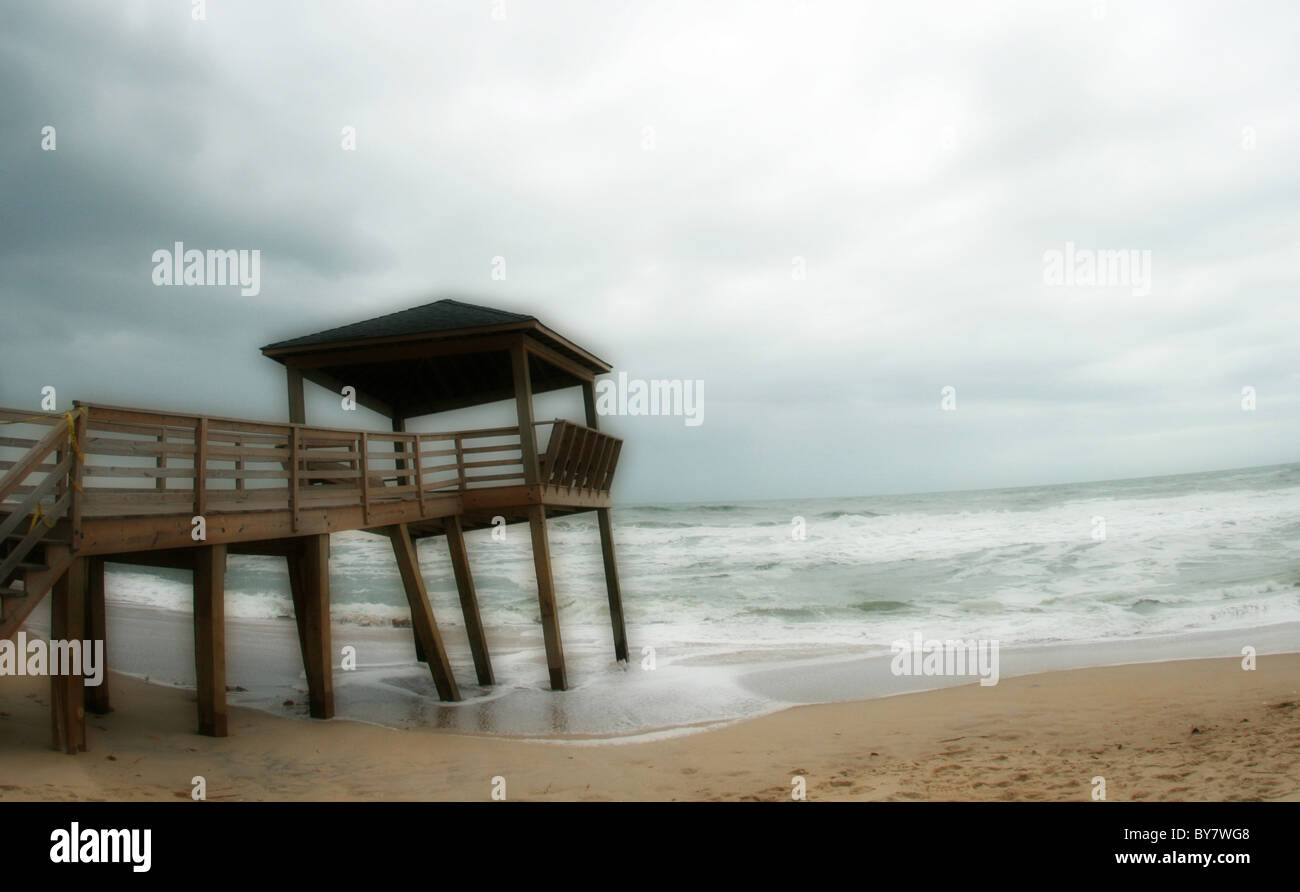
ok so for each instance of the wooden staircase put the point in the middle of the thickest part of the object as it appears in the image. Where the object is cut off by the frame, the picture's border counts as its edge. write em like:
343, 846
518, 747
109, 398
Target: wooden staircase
37, 517
32, 576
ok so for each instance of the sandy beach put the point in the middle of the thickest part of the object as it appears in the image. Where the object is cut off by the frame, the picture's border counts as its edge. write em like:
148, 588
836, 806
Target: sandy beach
1182, 730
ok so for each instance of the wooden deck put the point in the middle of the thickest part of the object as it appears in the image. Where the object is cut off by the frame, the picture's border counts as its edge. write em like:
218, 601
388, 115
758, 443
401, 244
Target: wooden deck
134, 485
145, 476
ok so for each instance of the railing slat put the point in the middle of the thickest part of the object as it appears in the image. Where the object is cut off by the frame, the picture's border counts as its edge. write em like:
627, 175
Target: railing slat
419, 476
200, 463
295, 437
364, 449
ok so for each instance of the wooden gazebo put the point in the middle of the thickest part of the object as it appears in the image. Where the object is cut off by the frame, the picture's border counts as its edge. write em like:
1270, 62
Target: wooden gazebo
448, 355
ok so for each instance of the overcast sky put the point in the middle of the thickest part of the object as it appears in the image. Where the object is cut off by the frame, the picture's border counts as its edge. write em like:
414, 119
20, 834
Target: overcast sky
650, 172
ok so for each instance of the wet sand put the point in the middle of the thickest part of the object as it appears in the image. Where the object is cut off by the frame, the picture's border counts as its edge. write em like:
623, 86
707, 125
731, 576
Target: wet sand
1182, 730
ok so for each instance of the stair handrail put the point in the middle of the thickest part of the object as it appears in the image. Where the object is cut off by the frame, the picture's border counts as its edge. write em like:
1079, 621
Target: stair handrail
32, 460
66, 474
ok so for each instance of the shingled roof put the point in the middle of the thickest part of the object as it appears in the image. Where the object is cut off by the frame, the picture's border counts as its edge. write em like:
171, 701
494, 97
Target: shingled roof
439, 356
441, 316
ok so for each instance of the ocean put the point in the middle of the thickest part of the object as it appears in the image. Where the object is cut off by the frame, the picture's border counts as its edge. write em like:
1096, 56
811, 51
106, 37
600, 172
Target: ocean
741, 608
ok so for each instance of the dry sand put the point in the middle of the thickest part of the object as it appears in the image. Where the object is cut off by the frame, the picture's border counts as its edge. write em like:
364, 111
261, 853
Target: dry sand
1187, 730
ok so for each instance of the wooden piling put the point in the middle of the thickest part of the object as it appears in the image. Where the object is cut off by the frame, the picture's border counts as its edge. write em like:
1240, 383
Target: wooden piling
546, 598
611, 584
469, 601
67, 619
210, 637
96, 626
309, 580
607, 542
422, 621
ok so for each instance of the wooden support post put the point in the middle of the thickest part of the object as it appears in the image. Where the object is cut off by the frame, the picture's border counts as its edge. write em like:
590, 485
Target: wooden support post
469, 601
201, 467
607, 539
589, 403
611, 584
422, 621
546, 598
161, 462
399, 426
291, 559
297, 400
309, 580
295, 450
96, 628
210, 637
77, 476
524, 410
365, 476
67, 616
419, 475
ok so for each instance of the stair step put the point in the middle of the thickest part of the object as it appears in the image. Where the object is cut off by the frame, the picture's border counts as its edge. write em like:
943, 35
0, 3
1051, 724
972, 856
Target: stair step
12, 593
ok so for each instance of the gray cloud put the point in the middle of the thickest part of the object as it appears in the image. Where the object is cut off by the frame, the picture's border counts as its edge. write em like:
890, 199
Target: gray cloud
920, 161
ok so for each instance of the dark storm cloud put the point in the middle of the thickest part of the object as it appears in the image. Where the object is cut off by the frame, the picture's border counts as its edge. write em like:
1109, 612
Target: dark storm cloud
651, 172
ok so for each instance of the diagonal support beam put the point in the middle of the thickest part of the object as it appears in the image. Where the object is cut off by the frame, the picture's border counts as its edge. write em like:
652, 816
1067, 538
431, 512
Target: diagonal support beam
422, 621
611, 584
469, 601
546, 599
607, 529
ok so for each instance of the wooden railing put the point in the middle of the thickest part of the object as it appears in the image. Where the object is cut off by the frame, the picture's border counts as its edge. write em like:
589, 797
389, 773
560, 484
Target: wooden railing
145, 462
578, 457
137, 462
141, 462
